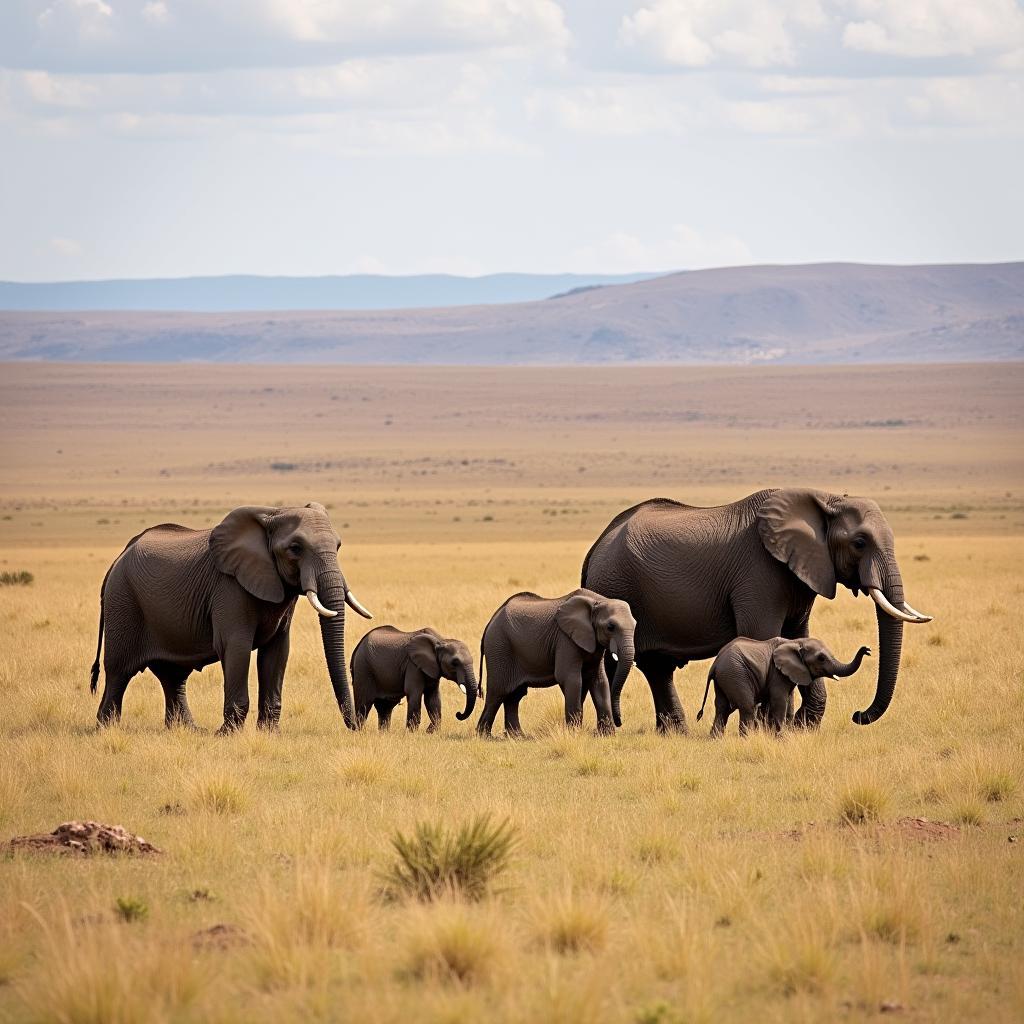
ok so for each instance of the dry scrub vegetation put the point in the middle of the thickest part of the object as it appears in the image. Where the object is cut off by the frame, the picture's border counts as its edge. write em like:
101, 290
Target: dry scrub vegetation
651, 880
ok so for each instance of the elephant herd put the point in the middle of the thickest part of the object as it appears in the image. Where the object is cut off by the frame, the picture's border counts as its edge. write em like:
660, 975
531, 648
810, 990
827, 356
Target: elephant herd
664, 584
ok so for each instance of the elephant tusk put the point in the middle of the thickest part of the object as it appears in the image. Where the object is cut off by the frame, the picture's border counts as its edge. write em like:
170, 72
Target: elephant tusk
462, 687
321, 610
921, 617
353, 602
615, 657
890, 609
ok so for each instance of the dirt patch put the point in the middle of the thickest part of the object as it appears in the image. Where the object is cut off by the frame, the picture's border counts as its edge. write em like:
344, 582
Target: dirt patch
920, 830
85, 838
219, 936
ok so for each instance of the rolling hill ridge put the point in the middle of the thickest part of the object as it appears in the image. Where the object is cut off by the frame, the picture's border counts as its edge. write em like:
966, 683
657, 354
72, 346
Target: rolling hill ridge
810, 314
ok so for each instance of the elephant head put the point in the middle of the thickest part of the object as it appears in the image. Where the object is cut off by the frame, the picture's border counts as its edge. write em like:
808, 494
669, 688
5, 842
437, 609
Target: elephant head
277, 553
439, 658
828, 539
802, 661
590, 621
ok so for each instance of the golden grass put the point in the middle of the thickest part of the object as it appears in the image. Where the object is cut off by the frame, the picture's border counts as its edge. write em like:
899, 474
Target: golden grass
657, 880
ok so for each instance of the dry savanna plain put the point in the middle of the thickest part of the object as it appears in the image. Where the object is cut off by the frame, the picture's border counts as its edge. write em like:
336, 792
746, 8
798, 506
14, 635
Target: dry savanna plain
834, 875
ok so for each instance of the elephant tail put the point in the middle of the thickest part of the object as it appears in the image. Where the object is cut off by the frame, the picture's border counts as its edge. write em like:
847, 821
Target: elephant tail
94, 673
707, 686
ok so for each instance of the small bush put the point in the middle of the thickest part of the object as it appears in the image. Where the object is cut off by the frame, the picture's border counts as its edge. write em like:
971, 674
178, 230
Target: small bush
16, 579
569, 926
436, 862
219, 795
131, 909
861, 803
449, 944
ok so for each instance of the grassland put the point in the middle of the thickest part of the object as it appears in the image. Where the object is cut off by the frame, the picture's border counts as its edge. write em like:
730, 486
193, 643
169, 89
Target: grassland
656, 880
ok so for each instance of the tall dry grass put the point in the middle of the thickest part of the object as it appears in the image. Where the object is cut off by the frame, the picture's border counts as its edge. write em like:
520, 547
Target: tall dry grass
656, 879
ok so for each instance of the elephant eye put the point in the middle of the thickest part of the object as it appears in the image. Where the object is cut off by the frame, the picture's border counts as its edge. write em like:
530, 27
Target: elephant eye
611, 627
295, 548
859, 543
821, 657
456, 662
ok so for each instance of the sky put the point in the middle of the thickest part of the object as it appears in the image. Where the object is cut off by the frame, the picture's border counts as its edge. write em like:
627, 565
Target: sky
146, 138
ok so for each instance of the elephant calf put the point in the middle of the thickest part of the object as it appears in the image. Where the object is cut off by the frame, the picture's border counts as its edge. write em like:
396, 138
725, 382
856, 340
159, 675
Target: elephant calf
389, 664
757, 678
536, 641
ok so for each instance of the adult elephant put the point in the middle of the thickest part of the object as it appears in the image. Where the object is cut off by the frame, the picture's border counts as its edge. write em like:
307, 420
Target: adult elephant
696, 578
177, 599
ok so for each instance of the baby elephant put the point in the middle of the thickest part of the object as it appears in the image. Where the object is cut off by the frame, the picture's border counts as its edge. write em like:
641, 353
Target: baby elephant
757, 678
536, 641
389, 664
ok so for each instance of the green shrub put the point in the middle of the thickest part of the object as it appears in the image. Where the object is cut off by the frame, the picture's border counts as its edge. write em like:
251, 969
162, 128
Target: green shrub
16, 579
436, 862
130, 909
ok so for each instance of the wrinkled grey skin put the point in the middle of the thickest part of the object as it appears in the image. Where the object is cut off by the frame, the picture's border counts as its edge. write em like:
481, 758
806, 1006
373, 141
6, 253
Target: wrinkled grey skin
537, 641
177, 599
389, 665
696, 578
757, 678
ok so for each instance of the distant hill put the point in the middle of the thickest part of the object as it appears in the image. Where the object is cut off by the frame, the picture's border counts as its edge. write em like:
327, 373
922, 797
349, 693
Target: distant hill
250, 293
819, 313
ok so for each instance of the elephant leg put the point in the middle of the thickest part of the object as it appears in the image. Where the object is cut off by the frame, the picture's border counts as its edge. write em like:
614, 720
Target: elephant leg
235, 660
414, 709
748, 720
571, 685
384, 709
432, 700
363, 709
172, 680
513, 728
777, 707
271, 660
601, 693
114, 686
490, 711
723, 709
814, 697
669, 714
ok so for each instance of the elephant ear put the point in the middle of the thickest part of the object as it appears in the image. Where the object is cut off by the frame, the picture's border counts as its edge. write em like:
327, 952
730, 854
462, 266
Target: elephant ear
574, 620
789, 662
794, 529
423, 654
240, 548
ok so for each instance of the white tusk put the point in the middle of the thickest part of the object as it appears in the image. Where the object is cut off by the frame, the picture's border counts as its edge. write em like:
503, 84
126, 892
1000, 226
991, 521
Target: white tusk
353, 602
615, 657
834, 677
921, 617
890, 609
462, 687
321, 610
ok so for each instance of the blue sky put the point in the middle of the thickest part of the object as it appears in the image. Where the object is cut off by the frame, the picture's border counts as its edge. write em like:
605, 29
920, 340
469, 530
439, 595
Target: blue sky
174, 137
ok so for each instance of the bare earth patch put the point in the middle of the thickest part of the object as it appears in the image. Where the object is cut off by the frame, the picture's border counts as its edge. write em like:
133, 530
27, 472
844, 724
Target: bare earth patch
86, 838
921, 830
219, 936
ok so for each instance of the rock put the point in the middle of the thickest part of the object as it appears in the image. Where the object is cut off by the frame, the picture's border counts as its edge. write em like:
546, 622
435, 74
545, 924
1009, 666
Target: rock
85, 838
219, 936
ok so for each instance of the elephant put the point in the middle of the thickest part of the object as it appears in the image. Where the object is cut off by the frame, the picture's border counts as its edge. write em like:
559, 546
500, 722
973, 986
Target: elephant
537, 641
696, 578
389, 664
757, 678
177, 599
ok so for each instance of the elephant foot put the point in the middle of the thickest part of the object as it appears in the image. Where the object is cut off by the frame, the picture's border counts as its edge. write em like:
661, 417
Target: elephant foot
516, 734
228, 729
604, 729
672, 726
271, 725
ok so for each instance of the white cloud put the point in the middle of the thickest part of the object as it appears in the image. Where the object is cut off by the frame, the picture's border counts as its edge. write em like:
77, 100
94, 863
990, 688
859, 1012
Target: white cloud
934, 28
684, 248
192, 35
699, 33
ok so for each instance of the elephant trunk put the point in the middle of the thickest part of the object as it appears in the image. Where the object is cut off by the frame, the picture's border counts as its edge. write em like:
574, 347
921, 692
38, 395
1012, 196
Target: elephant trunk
890, 641
842, 671
467, 680
626, 653
331, 590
